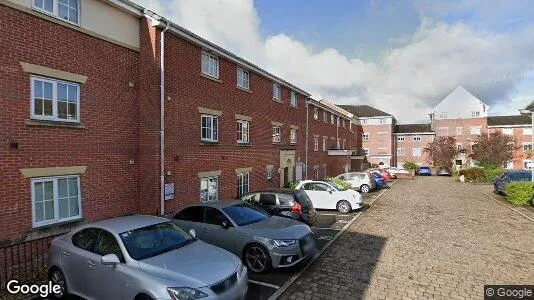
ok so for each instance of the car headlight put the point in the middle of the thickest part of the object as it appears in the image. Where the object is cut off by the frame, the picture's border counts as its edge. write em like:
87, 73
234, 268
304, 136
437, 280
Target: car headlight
185, 293
284, 243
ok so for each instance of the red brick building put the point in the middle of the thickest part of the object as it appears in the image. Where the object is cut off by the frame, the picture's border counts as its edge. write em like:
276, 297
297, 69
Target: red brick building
410, 141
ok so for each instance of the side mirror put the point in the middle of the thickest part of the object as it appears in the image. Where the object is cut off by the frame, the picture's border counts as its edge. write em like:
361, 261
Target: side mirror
192, 233
224, 224
329, 190
110, 260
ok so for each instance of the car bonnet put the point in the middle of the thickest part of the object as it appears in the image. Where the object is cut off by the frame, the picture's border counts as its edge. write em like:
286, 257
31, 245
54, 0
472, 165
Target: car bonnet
277, 228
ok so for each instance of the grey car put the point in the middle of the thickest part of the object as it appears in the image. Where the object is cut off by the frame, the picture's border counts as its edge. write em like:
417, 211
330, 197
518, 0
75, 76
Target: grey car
142, 258
261, 240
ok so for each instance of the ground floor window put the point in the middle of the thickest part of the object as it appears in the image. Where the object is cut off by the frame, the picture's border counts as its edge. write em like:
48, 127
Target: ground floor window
508, 165
209, 189
325, 172
527, 164
55, 199
316, 173
242, 183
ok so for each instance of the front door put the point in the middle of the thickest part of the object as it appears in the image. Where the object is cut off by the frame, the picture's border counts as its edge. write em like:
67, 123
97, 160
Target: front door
286, 175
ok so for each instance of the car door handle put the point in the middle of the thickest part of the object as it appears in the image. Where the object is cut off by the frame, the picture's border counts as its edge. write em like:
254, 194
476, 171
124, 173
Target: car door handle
65, 253
90, 263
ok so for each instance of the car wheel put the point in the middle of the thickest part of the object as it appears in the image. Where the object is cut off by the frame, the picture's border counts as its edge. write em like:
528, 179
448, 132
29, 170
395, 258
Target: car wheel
257, 258
365, 188
57, 278
344, 207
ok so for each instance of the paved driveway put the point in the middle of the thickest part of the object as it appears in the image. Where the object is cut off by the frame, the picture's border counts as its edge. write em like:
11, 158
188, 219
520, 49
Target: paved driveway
426, 238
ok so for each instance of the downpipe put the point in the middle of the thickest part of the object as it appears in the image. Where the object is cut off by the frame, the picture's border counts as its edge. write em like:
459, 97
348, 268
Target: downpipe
162, 121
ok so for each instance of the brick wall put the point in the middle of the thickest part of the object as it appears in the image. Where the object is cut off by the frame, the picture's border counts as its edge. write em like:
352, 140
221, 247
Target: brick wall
409, 144
380, 143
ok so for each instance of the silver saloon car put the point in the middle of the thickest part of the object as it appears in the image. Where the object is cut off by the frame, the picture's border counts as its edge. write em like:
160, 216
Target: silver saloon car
261, 240
142, 257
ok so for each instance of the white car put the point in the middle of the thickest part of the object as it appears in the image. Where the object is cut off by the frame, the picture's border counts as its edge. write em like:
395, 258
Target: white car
361, 181
395, 171
326, 194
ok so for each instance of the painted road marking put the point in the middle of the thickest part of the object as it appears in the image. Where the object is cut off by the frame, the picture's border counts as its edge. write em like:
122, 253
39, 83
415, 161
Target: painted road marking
325, 237
522, 214
264, 284
326, 228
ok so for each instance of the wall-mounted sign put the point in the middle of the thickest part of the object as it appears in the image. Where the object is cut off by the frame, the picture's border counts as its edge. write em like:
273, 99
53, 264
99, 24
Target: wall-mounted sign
169, 191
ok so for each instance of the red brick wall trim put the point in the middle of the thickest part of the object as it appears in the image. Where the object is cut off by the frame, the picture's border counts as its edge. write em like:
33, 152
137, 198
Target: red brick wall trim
209, 174
54, 171
54, 124
49, 72
209, 111
63, 23
243, 170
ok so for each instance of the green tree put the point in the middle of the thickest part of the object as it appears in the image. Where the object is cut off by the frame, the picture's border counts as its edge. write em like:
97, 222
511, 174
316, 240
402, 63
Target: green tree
442, 151
494, 148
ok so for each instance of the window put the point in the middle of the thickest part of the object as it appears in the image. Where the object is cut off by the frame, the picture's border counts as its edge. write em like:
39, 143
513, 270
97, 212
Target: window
315, 144
459, 130
416, 152
527, 164
242, 184
527, 131
508, 131
268, 199
86, 239
269, 176
365, 137
55, 199
344, 142
527, 147
277, 92
383, 120
338, 144
243, 132
475, 129
325, 172
458, 146
67, 10
475, 114
332, 119
107, 244
366, 151
55, 100
210, 65
316, 173
343, 123
508, 165
400, 138
293, 136
277, 134
364, 121
214, 216
191, 214
417, 138
315, 113
400, 151
209, 127
325, 116
293, 98
324, 144
209, 189
443, 115
242, 79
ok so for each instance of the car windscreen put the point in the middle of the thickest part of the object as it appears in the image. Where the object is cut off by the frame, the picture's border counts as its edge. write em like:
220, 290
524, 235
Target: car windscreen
338, 187
245, 214
153, 240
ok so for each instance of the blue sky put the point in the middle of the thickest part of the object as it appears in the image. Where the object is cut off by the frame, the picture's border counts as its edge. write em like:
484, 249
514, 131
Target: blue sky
402, 56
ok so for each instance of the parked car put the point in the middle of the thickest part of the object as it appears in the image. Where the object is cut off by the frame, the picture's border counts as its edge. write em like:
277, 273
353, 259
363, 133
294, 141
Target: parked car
291, 203
379, 179
444, 172
499, 185
424, 171
382, 172
394, 171
361, 181
261, 240
142, 257
327, 194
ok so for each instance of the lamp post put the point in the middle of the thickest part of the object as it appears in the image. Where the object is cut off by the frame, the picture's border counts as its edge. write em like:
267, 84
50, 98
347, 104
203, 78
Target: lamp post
528, 111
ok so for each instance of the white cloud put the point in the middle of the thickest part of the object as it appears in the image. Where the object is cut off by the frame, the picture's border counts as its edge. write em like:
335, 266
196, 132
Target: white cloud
406, 81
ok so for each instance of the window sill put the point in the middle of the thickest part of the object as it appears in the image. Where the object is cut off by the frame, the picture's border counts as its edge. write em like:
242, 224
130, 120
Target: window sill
244, 145
210, 78
209, 143
277, 101
244, 89
34, 122
294, 106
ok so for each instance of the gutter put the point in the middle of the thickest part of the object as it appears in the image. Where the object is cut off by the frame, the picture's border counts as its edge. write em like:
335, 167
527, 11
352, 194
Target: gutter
162, 120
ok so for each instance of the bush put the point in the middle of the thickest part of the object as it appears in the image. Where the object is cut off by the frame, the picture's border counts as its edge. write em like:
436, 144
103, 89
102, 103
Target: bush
491, 172
410, 166
343, 183
472, 174
291, 185
519, 193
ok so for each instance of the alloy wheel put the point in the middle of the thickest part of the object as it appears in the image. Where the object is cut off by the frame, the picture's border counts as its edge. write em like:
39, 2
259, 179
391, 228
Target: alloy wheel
57, 278
256, 259
365, 188
343, 207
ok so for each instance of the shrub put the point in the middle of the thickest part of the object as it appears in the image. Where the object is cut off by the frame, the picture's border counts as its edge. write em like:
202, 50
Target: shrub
472, 174
343, 183
519, 193
410, 166
291, 185
491, 172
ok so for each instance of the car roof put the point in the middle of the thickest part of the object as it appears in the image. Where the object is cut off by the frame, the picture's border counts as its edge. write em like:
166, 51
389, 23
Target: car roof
123, 224
277, 190
219, 204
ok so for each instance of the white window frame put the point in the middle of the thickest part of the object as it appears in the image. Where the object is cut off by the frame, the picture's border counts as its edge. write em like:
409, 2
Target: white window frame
214, 132
277, 92
508, 131
400, 138
316, 173
215, 68
382, 120
207, 179
315, 144
293, 135
294, 99
475, 130
277, 134
526, 146
241, 179
526, 161
401, 151
508, 165
332, 119
475, 114
443, 115
56, 200
363, 121
416, 152
366, 151
315, 113
338, 143
416, 138
55, 11
344, 142
325, 144
243, 136
365, 137
54, 116
527, 131
325, 116
241, 81
269, 175
459, 130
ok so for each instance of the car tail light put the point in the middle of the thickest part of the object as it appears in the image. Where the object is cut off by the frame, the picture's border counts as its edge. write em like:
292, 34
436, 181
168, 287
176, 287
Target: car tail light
297, 208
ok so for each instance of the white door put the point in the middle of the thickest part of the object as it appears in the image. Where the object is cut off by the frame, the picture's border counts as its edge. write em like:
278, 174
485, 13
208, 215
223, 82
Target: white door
319, 195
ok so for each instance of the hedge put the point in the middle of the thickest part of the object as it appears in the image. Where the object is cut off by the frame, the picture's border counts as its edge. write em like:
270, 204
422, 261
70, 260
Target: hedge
519, 193
343, 183
472, 174
410, 166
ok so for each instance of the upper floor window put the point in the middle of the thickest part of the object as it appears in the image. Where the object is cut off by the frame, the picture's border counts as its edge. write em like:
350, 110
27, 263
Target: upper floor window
277, 134
55, 199
343, 123
67, 10
242, 79
315, 113
277, 92
416, 152
209, 128
293, 136
344, 142
417, 138
400, 137
210, 65
475, 114
443, 115
325, 116
365, 137
55, 100
293, 98
338, 144
475, 129
459, 130
383, 120
364, 121
243, 131
332, 119
315, 144
366, 151
527, 131
508, 131
325, 147
400, 151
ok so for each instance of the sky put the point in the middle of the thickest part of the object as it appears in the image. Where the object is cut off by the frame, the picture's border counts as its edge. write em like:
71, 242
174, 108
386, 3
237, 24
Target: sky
401, 56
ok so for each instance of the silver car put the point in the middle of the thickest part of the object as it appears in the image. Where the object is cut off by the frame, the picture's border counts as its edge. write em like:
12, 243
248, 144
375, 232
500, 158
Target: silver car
142, 257
261, 240
361, 181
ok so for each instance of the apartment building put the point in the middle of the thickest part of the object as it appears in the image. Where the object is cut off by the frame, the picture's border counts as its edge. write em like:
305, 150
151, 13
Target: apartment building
519, 126
410, 141
96, 128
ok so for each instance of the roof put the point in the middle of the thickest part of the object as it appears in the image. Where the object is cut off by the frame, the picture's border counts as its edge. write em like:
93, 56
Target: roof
530, 107
509, 120
364, 111
409, 128
336, 108
123, 224
219, 204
